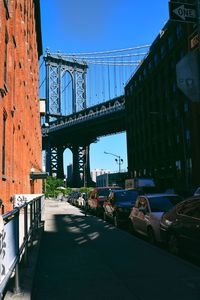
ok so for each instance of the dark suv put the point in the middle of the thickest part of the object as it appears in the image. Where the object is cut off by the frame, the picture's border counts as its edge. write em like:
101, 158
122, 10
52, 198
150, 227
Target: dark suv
180, 228
119, 204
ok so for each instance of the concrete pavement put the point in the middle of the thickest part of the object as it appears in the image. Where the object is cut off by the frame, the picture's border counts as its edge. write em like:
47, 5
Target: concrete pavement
87, 258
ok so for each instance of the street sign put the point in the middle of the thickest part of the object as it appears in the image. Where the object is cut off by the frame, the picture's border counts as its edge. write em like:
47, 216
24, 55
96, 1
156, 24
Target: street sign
194, 40
187, 76
182, 12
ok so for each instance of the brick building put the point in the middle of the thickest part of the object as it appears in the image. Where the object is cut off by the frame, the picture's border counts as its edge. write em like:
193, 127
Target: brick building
163, 128
20, 131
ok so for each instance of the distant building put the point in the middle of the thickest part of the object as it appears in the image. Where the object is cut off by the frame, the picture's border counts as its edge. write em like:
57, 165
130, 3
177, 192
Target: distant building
111, 179
96, 172
69, 172
20, 130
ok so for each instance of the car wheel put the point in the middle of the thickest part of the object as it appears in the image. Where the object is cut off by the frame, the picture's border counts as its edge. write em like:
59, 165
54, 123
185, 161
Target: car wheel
151, 235
173, 244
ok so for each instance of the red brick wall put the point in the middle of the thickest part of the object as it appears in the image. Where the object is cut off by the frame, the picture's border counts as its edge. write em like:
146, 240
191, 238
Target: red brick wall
19, 100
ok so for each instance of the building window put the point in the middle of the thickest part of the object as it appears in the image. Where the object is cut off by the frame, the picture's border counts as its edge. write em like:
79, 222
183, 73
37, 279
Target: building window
187, 135
179, 31
174, 87
131, 89
150, 65
178, 165
4, 144
186, 107
5, 56
163, 50
170, 42
6, 7
156, 58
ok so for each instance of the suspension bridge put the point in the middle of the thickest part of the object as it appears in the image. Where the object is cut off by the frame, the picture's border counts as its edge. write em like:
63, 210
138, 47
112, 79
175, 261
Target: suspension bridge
83, 92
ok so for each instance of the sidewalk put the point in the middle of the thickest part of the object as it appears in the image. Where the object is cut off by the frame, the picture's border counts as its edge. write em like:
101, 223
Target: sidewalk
87, 258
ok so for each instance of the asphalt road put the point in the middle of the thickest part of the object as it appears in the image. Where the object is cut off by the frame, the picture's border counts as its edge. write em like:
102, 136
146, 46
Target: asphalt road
87, 258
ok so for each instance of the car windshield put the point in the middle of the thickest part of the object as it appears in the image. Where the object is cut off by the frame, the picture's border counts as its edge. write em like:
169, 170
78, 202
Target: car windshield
163, 203
126, 196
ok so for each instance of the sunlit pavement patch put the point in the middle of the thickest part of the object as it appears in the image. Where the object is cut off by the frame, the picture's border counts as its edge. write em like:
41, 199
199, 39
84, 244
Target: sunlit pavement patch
93, 235
74, 229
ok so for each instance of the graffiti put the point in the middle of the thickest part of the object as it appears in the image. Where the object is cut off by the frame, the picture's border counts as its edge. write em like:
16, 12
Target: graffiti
19, 201
2, 248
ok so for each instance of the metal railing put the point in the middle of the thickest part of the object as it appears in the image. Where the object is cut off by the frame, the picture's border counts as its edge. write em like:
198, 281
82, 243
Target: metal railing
18, 229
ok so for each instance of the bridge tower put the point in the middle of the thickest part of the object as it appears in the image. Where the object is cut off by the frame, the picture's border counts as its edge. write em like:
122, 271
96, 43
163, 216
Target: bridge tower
56, 68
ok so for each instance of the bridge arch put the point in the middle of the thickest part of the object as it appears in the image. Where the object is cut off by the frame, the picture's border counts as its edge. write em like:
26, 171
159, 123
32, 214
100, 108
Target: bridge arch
66, 93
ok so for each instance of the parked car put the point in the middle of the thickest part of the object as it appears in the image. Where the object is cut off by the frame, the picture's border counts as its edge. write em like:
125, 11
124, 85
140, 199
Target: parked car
73, 197
147, 212
180, 228
98, 196
119, 204
197, 192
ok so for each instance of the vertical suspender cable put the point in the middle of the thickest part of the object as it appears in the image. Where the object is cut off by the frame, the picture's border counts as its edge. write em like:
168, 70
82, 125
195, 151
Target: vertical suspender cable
90, 86
108, 81
103, 82
115, 79
120, 80
96, 84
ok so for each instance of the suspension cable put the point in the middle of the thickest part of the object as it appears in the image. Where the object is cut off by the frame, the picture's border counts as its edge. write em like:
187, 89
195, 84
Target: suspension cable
104, 56
107, 51
115, 64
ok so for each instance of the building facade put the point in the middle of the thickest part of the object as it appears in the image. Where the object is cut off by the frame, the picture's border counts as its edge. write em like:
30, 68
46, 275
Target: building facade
69, 172
163, 127
111, 179
96, 172
20, 130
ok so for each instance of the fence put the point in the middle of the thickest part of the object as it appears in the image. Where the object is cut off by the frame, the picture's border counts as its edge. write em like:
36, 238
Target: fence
17, 232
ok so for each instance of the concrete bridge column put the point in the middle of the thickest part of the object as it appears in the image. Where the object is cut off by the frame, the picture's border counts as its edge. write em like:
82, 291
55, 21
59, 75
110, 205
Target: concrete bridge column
60, 169
54, 161
48, 159
81, 167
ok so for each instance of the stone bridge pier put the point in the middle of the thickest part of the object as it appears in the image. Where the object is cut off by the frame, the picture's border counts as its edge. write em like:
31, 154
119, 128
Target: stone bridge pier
81, 164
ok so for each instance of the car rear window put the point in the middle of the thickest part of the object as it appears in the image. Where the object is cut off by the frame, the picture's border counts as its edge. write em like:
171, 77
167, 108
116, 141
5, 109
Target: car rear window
163, 203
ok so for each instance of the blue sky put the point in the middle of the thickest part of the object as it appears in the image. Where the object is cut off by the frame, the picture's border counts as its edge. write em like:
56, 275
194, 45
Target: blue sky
95, 25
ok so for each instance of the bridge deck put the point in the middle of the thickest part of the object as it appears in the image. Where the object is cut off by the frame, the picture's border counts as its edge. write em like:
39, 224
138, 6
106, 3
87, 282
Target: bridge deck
87, 258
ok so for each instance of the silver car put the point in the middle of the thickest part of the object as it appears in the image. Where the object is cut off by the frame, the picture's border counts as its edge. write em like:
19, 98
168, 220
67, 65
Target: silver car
197, 192
146, 214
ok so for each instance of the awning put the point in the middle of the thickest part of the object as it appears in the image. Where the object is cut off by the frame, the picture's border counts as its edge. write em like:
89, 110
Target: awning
38, 175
